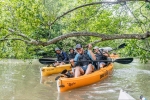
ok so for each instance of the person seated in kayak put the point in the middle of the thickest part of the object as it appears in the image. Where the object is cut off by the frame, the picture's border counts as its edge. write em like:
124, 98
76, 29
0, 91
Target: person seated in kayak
100, 56
84, 67
72, 53
61, 56
106, 54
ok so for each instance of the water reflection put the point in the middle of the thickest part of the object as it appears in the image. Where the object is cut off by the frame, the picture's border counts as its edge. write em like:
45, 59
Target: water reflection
22, 80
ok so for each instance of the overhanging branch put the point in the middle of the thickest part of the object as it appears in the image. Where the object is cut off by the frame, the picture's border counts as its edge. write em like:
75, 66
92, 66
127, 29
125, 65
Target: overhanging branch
104, 37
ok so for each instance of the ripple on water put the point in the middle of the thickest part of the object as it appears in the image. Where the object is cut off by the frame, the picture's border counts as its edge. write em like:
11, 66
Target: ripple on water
128, 73
104, 91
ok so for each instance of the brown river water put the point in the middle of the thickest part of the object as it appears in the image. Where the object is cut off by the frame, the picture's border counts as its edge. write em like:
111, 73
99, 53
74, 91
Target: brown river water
21, 80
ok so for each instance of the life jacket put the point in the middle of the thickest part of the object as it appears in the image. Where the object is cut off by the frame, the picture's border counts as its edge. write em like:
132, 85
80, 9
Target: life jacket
72, 55
100, 56
61, 57
83, 57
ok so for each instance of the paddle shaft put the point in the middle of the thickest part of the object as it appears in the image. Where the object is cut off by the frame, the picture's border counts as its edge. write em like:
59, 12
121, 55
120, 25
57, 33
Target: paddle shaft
120, 60
80, 61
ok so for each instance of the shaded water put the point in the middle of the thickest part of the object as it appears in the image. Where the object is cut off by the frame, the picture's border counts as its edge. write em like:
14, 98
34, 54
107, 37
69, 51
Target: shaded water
22, 80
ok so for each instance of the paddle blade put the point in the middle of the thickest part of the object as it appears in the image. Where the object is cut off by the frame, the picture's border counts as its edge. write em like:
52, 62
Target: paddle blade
64, 71
122, 46
123, 60
46, 61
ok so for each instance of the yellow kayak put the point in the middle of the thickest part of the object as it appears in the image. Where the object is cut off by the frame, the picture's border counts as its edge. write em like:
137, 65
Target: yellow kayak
46, 71
64, 84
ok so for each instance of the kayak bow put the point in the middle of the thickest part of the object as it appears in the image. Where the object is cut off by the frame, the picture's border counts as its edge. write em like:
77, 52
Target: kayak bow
124, 96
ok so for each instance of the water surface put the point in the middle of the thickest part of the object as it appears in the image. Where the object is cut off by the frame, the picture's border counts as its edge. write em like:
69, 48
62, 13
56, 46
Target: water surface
22, 80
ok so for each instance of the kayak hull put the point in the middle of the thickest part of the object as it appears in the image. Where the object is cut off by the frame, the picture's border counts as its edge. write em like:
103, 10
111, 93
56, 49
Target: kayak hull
46, 71
65, 84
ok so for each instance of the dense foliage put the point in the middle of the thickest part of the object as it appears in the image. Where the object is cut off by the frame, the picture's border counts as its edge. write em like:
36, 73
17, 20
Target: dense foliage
33, 19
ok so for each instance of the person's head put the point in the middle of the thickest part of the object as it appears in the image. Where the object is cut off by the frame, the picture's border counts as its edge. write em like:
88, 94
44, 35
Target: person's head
79, 49
96, 49
57, 50
106, 53
71, 50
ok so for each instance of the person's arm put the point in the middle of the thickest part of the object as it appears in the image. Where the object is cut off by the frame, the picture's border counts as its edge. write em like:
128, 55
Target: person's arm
75, 59
90, 53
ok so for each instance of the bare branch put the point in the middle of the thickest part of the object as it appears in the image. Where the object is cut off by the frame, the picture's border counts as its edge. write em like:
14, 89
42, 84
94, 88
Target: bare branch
34, 42
90, 4
103, 37
135, 18
6, 39
20, 34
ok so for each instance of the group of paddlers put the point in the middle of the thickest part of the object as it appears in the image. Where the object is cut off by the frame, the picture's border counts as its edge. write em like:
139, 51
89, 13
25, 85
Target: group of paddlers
83, 60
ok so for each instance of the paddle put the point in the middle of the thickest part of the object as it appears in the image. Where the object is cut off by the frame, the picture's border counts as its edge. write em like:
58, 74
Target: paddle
64, 72
121, 46
110, 49
46, 60
119, 60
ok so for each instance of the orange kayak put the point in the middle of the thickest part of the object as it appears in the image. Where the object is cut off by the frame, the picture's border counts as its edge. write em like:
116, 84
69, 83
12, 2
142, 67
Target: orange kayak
46, 71
114, 56
64, 84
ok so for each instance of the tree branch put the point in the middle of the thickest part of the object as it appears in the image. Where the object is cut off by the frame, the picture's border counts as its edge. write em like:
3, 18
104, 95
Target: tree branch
6, 39
20, 34
138, 21
34, 42
143, 48
104, 37
90, 4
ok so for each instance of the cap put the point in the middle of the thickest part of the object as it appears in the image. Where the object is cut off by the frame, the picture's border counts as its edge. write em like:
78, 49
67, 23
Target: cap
78, 46
96, 47
57, 49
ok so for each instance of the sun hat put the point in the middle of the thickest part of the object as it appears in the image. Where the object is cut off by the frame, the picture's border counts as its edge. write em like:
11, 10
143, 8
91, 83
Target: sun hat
96, 47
